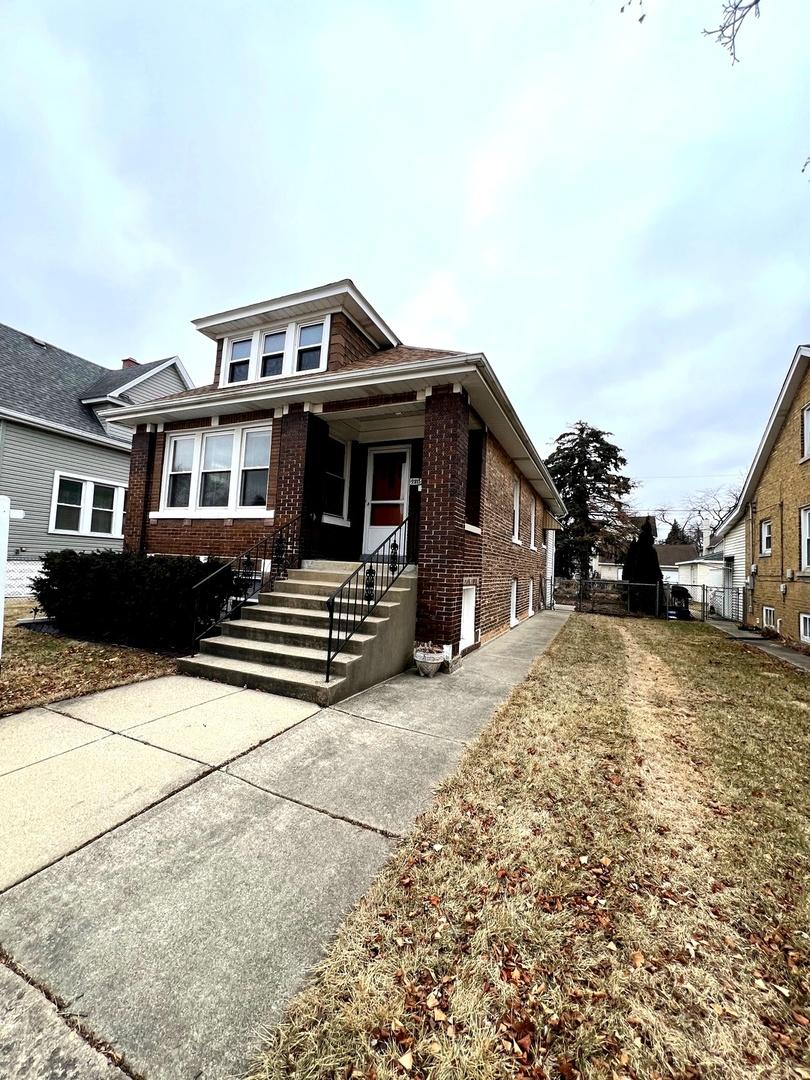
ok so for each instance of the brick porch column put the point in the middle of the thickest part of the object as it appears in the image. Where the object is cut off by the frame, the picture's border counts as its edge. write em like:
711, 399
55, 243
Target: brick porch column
289, 501
441, 529
141, 465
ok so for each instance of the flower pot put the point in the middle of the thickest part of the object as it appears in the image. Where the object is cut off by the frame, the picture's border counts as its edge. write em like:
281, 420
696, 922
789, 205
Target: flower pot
428, 663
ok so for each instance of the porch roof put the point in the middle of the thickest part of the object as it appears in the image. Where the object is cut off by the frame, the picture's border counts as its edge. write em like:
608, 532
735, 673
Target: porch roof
470, 371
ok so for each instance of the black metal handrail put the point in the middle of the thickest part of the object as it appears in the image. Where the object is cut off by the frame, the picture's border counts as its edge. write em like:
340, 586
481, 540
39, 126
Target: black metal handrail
255, 570
352, 602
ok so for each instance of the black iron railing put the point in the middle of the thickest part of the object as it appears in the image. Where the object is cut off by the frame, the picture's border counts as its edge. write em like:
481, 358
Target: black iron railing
352, 602
254, 571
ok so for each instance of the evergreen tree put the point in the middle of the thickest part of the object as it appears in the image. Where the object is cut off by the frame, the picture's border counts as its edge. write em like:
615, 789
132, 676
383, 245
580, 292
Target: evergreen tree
677, 534
642, 569
587, 471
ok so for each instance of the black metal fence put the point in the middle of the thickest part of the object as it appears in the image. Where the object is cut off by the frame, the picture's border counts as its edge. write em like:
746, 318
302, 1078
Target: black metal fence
254, 571
353, 601
662, 601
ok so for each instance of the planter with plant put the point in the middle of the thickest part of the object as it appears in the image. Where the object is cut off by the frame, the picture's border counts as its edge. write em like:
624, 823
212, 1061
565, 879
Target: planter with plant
428, 657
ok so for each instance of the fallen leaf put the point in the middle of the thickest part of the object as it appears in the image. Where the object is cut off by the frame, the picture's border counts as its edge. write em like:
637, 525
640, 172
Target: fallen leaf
637, 958
406, 1061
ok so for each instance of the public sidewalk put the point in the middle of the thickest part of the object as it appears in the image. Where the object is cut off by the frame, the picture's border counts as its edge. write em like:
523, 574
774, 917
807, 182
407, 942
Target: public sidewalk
177, 853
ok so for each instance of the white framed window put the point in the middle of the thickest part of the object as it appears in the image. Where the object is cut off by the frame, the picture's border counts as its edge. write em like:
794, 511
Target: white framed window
805, 433
769, 618
336, 482
85, 506
531, 597
513, 619
275, 352
533, 524
804, 536
516, 510
765, 537
804, 627
217, 472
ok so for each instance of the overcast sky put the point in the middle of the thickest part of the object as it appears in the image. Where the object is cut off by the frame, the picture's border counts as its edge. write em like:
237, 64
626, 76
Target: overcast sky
613, 213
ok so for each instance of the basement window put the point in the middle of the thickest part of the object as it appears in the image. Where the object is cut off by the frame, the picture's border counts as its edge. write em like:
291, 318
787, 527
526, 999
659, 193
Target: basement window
769, 618
804, 628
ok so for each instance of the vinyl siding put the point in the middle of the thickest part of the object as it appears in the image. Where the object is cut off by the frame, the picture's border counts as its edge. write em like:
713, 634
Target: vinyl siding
734, 547
156, 386
29, 459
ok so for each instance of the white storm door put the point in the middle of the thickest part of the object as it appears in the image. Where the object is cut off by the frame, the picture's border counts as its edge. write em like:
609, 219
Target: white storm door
387, 480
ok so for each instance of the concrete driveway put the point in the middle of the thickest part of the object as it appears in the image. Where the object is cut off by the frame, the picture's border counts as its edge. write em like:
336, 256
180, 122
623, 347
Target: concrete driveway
175, 855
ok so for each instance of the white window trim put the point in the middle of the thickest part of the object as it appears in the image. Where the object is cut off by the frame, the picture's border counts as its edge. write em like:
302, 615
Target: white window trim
533, 525
516, 511
804, 538
530, 606
768, 620
513, 599
292, 331
86, 509
804, 627
342, 519
806, 430
762, 549
194, 510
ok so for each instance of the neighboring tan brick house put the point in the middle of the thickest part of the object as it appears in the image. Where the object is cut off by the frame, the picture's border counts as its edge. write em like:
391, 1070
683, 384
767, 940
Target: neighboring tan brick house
317, 409
774, 513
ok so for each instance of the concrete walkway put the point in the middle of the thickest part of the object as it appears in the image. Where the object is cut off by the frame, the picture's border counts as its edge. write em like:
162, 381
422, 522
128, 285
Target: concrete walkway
175, 855
766, 645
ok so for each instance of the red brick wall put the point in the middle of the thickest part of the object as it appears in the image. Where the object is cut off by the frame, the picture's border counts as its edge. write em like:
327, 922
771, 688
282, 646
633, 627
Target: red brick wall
348, 348
218, 363
441, 532
504, 560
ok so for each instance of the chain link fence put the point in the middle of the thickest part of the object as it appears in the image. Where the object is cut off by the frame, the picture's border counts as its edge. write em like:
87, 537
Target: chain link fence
664, 601
19, 575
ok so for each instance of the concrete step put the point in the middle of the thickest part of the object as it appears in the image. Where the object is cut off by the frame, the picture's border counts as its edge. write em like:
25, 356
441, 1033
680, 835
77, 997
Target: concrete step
304, 685
325, 577
306, 600
293, 616
330, 566
276, 654
312, 637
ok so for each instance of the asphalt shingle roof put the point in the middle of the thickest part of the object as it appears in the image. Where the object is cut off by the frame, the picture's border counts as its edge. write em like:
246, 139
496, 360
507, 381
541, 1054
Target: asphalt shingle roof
48, 383
671, 554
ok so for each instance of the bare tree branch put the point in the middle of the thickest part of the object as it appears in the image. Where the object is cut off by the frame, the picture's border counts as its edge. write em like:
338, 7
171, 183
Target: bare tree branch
735, 13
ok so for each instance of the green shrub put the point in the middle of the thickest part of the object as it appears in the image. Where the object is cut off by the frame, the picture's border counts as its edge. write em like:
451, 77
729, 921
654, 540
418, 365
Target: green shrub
132, 599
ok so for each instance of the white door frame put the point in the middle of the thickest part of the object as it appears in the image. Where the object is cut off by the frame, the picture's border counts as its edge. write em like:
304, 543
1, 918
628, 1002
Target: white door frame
406, 489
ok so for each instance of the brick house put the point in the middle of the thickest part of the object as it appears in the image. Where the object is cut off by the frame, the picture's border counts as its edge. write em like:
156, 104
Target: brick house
773, 513
321, 423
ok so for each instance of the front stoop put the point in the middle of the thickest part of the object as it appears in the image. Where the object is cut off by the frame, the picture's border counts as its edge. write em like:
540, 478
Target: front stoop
279, 644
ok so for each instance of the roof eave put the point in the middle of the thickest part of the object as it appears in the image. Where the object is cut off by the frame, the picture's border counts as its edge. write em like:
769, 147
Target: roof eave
784, 401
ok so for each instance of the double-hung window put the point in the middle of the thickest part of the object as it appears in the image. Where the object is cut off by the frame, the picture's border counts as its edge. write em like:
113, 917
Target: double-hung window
765, 538
217, 473
239, 361
805, 432
87, 507
804, 534
336, 482
533, 524
516, 510
273, 352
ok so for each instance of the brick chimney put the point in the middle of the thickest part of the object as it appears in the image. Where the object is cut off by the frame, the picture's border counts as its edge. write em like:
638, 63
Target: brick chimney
129, 362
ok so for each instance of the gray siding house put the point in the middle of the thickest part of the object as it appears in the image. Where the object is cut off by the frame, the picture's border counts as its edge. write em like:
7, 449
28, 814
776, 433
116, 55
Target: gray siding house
63, 465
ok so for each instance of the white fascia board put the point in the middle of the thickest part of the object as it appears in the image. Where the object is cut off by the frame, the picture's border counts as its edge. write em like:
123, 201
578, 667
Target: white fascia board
772, 430
346, 287
63, 429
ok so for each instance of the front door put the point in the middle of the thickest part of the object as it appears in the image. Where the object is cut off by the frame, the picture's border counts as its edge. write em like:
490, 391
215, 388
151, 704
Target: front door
387, 480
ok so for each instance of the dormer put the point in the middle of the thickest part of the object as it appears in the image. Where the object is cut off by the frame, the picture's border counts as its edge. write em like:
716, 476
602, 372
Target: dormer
298, 334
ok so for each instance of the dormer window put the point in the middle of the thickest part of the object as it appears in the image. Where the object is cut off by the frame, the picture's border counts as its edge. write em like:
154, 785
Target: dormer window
239, 368
274, 352
310, 339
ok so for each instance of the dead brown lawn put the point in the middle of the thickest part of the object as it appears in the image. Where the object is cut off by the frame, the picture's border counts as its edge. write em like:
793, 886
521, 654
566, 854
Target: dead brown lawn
613, 884
38, 668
